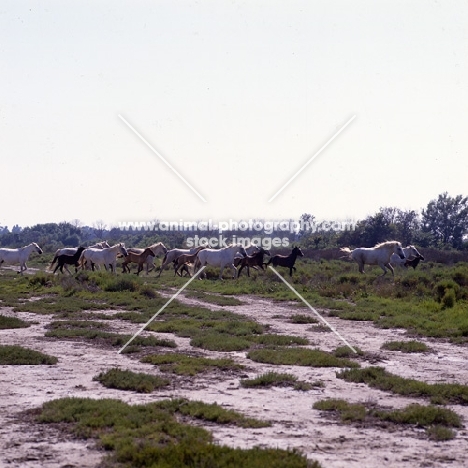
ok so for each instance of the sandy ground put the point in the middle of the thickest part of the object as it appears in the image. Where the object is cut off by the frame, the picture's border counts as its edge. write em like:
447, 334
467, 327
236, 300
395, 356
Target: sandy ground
295, 423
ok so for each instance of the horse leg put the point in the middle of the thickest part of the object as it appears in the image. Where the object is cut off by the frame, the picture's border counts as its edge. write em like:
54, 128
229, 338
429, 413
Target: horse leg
234, 275
390, 268
361, 267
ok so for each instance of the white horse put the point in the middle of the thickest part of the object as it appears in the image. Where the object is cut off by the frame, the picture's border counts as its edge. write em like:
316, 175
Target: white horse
21, 255
174, 254
219, 258
105, 257
73, 250
378, 255
156, 248
410, 251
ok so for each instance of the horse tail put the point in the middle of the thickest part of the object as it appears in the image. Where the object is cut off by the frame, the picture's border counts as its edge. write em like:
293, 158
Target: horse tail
53, 261
347, 251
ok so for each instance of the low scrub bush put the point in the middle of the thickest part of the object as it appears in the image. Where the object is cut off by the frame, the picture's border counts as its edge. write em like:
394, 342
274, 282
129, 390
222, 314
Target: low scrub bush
406, 346
12, 322
19, 356
128, 380
149, 435
299, 357
378, 377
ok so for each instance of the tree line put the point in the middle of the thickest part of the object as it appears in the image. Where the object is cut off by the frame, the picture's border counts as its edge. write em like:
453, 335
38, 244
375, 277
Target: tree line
443, 224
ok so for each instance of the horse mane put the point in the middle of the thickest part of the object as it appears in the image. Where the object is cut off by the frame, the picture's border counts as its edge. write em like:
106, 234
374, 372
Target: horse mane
386, 244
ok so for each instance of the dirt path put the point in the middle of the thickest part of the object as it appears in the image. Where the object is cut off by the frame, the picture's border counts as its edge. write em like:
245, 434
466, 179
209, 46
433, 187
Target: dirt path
295, 423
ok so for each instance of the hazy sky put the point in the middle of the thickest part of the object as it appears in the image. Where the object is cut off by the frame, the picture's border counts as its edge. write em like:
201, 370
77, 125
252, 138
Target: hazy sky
236, 96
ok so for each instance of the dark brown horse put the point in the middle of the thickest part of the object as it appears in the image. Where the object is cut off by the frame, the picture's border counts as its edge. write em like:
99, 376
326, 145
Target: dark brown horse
254, 261
286, 261
63, 260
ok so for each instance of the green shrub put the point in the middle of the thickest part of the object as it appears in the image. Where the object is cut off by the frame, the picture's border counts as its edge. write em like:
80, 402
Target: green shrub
449, 298
406, 346
128, 380
299, 357
19, 356
12, 322
149, 435
443, 286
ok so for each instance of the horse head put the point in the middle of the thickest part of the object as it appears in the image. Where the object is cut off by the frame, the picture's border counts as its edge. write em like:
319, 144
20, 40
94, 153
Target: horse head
297, 251
123, 250
398, 249
37, 248
241, 250
414, 252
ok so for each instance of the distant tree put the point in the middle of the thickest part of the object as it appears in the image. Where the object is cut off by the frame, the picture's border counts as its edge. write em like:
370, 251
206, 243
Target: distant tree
99, 229
446, 219
408, 225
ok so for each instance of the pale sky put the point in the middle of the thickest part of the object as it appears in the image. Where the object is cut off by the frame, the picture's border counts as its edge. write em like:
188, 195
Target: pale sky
236, 96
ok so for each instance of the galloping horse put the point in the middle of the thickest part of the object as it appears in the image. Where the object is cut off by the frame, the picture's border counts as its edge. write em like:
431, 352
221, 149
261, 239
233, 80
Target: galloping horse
182, 261
411, 252
219, 258
378, 255
72, 250
103, 256
156, 249
173, 254
254, 261
65, 260
20, 255
286, 261
139, 258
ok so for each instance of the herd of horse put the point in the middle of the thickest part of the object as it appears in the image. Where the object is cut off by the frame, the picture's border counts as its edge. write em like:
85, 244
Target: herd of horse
236, 257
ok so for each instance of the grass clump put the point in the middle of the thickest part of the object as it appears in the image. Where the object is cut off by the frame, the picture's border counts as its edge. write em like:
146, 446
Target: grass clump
299, 357
12, 322
182, 364
302, 319
19, 356
210, 412
349, 412
437, 421
220, 342
406, 346
150, 435
275, 379
378, 377
128, 380
93, 331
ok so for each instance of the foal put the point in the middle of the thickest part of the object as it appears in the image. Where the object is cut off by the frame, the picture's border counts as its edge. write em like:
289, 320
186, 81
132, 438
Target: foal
254, 261
63, 260
139, 258
286, 261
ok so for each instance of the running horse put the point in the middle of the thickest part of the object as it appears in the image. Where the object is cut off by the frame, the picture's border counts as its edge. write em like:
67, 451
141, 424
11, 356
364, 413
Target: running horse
149, 261
21, 255
378, 255
219, 258
286, 261
106, 256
